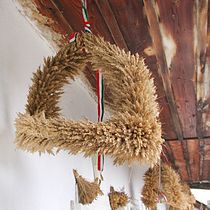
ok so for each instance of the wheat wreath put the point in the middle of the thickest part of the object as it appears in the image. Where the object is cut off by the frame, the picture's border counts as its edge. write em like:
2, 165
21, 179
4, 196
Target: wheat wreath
133, 133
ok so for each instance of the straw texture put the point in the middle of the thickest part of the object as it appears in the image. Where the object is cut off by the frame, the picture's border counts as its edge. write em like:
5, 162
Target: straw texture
132, 134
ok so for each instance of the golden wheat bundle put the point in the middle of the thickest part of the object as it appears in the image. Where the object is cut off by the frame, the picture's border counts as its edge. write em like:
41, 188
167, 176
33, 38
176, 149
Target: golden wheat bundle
189, 196
150, 188
132, 134
117, 199
87, 191
171, 187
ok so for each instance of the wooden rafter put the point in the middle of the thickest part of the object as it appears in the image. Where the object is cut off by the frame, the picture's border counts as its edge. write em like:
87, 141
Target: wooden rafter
200, 205
49, 9
188, 139
163, 68
164, 72
200, 185
201, 22
111, 22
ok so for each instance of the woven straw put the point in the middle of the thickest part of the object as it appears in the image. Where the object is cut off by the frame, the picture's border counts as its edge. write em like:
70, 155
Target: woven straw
132, 134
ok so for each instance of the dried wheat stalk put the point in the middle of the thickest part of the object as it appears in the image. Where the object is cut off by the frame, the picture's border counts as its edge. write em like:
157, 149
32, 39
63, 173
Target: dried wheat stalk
132, 134
117, 199
87, 191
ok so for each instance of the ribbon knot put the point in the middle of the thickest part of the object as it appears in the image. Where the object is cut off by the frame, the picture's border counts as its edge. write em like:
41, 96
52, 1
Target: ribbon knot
87, 27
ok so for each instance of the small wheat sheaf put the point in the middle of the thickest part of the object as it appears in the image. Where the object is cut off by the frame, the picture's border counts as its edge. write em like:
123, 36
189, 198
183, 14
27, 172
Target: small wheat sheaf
87, 191
117, 199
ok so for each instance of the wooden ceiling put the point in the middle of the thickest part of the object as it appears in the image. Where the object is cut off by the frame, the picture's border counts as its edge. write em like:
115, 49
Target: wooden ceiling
174, 38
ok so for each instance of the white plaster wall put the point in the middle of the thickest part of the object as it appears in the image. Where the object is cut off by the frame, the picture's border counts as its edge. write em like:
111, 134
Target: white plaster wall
33, 182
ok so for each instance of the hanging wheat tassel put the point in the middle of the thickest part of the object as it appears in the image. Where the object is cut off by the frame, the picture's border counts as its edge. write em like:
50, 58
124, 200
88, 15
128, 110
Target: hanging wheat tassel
88, 191
150, 188
189, 196
117, 199
171, 187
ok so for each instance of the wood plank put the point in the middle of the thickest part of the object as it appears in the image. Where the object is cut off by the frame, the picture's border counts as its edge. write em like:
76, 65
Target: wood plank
176, 18
200, 205
200, 185
194, 158
201, 23
206, 170
163, 68
167, 156
59, 23
206, 161
201, 153
164, 72
178, 154
72, 11
111, 22
207, 81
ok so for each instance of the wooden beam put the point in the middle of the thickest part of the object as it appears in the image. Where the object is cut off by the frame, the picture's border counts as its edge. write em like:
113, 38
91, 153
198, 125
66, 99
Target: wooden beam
201, 17
188, 139
49, 9
194, 158
177, 30
206, 169
163, 68
164, 72
206, 162
200, 185
180, 162
111, 22
61, 18
201, 23
200, 205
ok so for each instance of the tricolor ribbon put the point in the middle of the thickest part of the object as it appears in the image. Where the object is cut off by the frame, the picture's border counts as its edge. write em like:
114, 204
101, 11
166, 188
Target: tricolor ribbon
73, 37
100, 95
98, 159
85, 17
